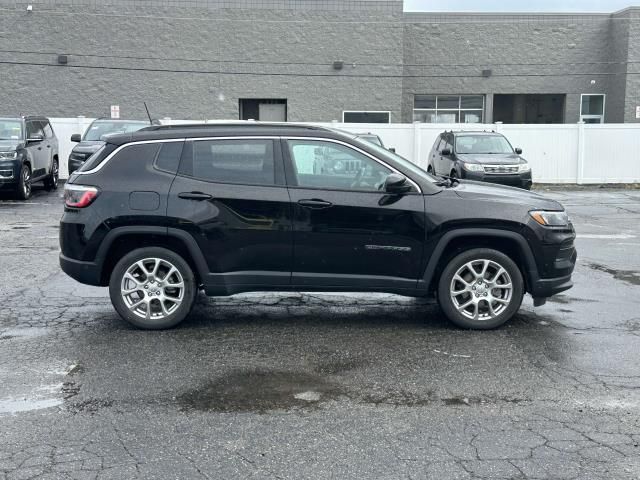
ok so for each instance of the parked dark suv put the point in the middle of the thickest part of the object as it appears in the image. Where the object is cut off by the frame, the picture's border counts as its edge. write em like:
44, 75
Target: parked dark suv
158, 214
28, 154
481, 156
90, 142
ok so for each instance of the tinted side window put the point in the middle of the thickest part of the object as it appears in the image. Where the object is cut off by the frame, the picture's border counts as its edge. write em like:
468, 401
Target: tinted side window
34, 128
448, 143
249, 162
48, 131
169, 156
329, 165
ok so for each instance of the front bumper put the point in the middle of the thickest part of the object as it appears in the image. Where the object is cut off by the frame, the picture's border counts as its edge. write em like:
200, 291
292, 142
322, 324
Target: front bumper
9, 173
74, 164
558, 256
520, 180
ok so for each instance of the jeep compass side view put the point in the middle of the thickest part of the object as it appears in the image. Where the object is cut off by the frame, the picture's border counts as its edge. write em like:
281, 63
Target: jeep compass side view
158, 214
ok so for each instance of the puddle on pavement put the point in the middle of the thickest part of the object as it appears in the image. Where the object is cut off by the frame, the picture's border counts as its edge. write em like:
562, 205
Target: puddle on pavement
260, 391
628, 276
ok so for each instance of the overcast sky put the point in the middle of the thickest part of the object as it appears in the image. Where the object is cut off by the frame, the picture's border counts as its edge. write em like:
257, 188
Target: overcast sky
517, 5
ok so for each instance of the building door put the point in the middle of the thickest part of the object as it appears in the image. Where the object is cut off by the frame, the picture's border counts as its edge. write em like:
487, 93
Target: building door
265, 109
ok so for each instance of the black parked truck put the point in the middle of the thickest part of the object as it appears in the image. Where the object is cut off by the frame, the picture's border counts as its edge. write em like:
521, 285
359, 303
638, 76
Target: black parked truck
161, 213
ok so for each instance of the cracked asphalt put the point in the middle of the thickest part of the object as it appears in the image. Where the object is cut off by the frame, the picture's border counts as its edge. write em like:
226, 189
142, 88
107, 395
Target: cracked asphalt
321, 386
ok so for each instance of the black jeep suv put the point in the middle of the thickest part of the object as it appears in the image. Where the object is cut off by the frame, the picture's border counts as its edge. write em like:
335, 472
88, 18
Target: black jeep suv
481, 156
165, 211
28, 154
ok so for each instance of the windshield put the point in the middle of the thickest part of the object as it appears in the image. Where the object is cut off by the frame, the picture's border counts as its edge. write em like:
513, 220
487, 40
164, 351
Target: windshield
10, 129
482, 144
97, 129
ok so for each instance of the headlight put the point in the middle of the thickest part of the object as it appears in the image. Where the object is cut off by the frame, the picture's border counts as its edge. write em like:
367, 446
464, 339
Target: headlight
550, 219
473, 167
524, 167
8, 155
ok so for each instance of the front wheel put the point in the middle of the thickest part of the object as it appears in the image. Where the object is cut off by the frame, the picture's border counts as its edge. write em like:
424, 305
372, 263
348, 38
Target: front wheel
152, 288
24, 183
480, 289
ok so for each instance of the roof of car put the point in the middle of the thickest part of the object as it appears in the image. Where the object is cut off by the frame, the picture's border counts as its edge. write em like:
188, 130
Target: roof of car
474, 132
120, 120
220, 129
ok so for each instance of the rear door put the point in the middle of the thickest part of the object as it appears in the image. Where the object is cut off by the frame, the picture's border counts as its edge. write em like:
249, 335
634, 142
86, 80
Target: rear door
347, 232
230, 195
37, 151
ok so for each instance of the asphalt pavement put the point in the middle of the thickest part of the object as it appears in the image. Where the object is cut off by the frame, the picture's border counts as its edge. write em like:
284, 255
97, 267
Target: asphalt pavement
316, 386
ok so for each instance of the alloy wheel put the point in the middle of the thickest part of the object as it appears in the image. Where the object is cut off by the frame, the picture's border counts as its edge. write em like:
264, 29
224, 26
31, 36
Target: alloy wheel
481, 289
152, 288
54, 174
26, 182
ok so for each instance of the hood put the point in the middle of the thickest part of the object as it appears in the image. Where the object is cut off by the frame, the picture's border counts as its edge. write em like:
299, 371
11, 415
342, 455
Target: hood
492, 158
88, 146
10, 145
481, 191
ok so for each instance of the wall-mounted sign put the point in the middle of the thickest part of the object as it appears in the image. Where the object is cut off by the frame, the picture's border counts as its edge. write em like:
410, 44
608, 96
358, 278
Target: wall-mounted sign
115, 111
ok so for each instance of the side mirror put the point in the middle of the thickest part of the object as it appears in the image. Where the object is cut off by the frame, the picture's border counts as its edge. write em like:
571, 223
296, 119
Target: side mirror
35, 138
392, 149
446, 152
397, 184
76, 137
518, 151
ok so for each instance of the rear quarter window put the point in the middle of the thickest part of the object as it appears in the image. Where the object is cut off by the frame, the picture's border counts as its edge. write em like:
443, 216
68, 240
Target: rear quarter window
96, 159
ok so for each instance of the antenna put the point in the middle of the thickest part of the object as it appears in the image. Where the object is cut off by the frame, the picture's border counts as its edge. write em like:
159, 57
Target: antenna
148, 114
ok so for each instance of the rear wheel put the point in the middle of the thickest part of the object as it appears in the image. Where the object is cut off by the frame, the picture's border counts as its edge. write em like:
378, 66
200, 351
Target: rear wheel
51, 182
480, 289
24, 183
152, 288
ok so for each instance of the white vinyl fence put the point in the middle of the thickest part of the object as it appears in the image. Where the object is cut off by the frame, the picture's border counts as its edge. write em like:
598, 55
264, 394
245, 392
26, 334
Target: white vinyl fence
564, 153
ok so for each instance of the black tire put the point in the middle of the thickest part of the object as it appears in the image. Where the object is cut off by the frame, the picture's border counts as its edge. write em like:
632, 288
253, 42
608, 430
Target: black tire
24, 183
481, 292
149, 323
51, 182
454, 174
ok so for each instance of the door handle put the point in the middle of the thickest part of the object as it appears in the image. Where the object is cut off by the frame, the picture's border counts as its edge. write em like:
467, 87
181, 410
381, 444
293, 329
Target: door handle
48, 146
195, 196
315, 203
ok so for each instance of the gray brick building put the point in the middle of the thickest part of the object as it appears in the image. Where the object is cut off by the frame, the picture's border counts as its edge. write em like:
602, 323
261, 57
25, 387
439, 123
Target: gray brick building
315, 60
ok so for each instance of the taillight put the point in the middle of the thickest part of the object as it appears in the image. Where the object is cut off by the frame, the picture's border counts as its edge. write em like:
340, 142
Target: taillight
79, 196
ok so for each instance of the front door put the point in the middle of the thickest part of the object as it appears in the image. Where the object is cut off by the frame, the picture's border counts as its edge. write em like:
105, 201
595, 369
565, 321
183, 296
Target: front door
347, 232
231, 196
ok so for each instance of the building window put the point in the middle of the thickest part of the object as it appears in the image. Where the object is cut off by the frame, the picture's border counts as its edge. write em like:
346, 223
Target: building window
592, 108
366, 117
448, 108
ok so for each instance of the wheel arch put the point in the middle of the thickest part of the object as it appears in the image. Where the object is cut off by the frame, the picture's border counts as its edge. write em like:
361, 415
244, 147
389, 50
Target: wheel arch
454, 242
122, 240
